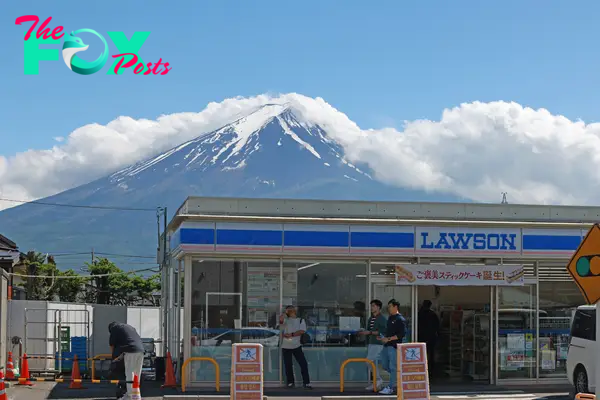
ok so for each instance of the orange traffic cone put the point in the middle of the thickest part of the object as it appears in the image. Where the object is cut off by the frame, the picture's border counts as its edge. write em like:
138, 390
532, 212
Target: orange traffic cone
75, 375
135, 389
2, 387
170, 380
24, 379
10, 368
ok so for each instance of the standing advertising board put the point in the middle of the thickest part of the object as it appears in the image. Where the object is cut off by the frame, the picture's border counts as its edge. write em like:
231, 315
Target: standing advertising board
413, 376
247, 371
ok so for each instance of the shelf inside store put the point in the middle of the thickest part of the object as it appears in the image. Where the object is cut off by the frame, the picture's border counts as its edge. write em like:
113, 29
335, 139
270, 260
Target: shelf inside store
476, 347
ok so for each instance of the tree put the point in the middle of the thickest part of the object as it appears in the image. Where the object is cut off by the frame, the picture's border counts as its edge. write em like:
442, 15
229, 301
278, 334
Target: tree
37, 264
107, 283
70, 289
110, 286
144, 290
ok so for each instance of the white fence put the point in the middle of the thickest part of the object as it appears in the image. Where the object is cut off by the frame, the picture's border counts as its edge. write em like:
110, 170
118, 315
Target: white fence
37, 324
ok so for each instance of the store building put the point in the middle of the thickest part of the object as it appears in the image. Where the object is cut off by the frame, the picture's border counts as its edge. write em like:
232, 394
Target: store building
496, 275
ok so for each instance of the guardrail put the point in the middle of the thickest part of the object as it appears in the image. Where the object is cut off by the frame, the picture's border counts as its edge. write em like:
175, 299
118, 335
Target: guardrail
210, 360
585, 396
351, 360
99, 357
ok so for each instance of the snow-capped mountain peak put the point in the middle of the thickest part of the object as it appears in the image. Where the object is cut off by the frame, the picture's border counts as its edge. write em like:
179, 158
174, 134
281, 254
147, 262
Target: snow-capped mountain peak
271, 129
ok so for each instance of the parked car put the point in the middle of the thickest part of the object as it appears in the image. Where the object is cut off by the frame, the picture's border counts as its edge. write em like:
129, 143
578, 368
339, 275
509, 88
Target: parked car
266, 336
582, 356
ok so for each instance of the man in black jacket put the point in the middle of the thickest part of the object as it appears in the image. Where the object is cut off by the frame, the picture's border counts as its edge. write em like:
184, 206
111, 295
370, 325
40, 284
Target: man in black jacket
429, 327
396, 329
127, 344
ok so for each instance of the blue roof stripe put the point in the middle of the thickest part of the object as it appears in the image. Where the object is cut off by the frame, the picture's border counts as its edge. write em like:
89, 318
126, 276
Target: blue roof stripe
397, 240
316, 239
196, 236
547, 242
239, 237
369, 240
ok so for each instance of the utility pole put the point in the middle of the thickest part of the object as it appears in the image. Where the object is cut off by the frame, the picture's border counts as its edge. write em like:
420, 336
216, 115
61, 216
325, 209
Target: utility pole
92, 255
165, 278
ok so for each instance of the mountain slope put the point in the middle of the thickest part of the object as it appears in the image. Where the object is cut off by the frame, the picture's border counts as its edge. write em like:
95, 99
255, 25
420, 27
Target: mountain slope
269, 152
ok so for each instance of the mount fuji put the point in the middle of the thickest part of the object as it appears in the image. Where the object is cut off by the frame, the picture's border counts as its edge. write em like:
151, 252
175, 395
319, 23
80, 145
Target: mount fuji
270, 151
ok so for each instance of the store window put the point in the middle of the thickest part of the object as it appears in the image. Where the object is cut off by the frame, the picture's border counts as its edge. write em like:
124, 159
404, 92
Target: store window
517, 328
384, 288
332, 299
558, 302
234, 301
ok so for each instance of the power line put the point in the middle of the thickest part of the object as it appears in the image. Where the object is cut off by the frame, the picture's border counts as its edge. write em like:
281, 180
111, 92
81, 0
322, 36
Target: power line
81, 276
74, 254
114, 208
125, 255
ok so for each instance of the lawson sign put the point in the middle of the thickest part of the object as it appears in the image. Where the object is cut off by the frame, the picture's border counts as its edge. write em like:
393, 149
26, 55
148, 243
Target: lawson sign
468, 240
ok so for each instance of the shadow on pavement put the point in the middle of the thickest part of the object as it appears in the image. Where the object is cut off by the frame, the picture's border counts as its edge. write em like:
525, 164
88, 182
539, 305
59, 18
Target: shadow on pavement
152, 389
104, 391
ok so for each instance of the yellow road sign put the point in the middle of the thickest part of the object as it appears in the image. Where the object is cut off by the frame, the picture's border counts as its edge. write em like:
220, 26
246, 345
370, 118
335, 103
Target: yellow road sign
584, 266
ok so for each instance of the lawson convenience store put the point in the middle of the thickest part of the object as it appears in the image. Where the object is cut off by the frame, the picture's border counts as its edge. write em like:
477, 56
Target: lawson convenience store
495, 274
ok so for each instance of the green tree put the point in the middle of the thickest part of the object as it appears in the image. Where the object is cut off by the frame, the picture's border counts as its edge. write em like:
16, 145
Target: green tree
51, 286
70, 289
41, 283
143, 290
108, 284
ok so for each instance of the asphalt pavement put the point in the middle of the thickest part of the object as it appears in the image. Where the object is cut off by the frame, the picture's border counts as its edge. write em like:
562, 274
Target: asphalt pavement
51, 391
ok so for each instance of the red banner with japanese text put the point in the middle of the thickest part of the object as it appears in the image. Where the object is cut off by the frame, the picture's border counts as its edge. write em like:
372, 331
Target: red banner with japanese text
460, 275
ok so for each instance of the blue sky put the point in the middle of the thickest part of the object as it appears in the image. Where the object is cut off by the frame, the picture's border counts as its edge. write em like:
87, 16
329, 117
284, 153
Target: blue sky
379, 62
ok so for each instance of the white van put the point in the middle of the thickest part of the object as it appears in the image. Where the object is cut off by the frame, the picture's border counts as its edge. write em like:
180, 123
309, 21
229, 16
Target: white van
581, 360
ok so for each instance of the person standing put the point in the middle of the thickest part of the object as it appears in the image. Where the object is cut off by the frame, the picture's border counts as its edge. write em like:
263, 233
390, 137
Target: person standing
429, 326
291, 346
126, 343
376, 326
395, 331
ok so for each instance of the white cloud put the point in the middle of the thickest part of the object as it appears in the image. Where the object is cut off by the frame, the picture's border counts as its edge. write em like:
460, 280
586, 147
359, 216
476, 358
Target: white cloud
476, 150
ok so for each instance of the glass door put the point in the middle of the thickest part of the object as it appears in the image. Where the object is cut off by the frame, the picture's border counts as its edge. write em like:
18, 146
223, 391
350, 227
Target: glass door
517, 332
462, 349
404, 294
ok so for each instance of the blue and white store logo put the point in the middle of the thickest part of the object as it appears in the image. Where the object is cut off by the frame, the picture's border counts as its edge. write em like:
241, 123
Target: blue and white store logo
468, 240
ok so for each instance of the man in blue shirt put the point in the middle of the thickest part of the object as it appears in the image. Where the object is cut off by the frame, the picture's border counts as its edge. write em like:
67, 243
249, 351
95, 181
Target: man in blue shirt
396, 329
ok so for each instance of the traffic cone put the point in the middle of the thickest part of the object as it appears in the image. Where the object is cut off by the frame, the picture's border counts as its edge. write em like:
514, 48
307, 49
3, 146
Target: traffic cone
10, 368
170, 380
24, 379
75, 375
135, 389
2, 387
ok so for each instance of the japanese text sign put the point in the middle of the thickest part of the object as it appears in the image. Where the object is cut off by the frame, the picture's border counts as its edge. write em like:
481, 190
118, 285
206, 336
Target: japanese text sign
413, 377
460, 275
247, 372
